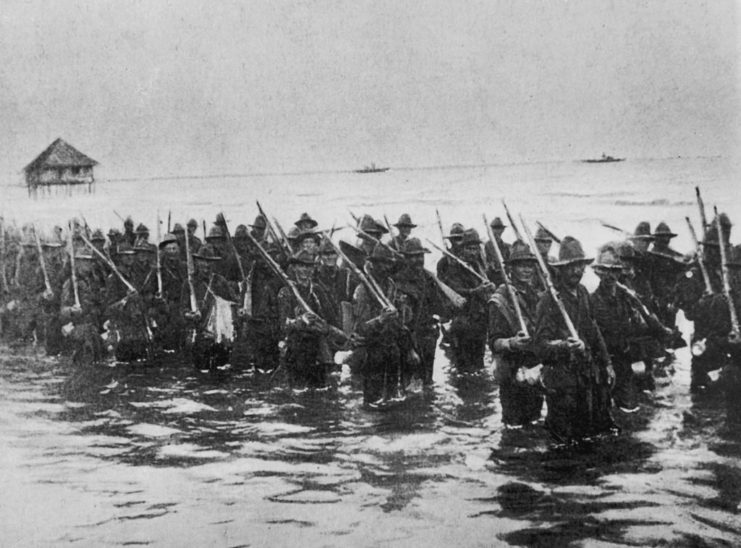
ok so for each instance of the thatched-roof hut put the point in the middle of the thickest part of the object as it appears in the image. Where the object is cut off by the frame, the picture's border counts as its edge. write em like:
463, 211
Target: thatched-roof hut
60, 164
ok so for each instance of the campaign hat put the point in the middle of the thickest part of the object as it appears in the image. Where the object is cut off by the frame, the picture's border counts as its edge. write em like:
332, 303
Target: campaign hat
571, 252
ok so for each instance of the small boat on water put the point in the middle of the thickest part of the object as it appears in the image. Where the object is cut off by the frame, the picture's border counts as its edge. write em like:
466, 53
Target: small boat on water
372, 169
604, 160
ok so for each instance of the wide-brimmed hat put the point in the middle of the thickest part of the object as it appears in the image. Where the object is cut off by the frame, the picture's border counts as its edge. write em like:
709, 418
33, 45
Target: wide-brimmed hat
662, 229
97, 236
542, 235
371, 226
520, 252
608, 258
215, 233
626, 252
168, 238
470, 237
143, 247
141, 229
413, 246
129, 222
305, 234
497, 223
207, 252
293, 234
306, 218
178, 229
571, 252
325, 248
259, 222
405, 220
381, 254
725, 220
114, 233
303, 257
456, 232
240, 233
642, 231
193, 223
124, 248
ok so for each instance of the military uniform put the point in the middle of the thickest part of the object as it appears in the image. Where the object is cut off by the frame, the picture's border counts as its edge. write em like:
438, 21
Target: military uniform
521, 402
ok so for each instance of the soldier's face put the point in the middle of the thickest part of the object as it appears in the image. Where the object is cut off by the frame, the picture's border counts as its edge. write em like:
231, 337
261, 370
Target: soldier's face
607, 277
498, 232
310, 244
304, 273
641, 244
204, 268
416, 262
544, 246
329, 259
523, 271
126, 260
405, 231
172, 249
572, 274
258, 232
662, 241
471, 252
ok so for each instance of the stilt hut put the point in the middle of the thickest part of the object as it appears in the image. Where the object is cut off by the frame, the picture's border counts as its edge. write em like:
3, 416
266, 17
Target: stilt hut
60, 165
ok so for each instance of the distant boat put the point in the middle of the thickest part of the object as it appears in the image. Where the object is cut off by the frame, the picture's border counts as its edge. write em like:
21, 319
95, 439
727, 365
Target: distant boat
604, 160
372, 169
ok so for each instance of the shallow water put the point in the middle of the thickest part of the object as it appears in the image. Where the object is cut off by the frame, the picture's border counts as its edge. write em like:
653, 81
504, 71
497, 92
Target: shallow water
161, 455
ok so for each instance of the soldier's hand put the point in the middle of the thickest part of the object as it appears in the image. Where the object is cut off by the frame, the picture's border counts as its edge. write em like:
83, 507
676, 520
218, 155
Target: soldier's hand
47, 295
734, 338
76, 310
575, 345
610, 375
193, 316
389, 314
243, 313
159, 297
519, 341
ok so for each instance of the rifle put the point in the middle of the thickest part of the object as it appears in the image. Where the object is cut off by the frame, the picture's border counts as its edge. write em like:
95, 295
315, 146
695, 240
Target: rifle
549, 283
512, 222
703, 218
157, 253
71, 250
119, 216
242, 274
391, 232
285, 248
205, 235
127, 284
551, 234
380, 296
88, 231
440, 226
507, 281
191, 290
291, 285
169, 218
354, 217
735, 333
700, 258
460, 261
41, 260
617, 229
284, 238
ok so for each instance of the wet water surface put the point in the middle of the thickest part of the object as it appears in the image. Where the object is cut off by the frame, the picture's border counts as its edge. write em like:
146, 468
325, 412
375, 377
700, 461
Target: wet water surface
163, 455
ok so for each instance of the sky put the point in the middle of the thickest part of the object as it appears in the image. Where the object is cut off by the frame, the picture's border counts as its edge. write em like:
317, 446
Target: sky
154, 88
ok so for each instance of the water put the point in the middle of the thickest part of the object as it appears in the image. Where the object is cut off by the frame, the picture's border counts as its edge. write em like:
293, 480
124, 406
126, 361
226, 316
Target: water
164, 456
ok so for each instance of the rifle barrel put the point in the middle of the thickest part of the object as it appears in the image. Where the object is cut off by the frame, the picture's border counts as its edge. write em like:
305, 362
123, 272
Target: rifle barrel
41, 259
518, 235
460, 261
725, 275
507, 281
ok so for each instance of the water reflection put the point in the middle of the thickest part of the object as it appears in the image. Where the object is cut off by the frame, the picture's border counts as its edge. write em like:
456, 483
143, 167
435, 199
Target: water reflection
242, 454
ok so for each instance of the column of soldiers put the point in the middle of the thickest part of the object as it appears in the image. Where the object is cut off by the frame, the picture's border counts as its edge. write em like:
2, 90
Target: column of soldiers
267, 300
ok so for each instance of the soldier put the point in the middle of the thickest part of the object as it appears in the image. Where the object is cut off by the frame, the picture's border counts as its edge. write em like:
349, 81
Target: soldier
418, 301
258, 228
127, 311
308, 358
468, 329
668, 266
514, 350
543, 241
308, 240
166, 309
129, 235
336, 281
493, 268
209, 323
404, 225
142, 234
114, 239
374, 229
455, 237
24, 313
642, 263
630, 334
305, 222
194, 242
53, 252
577, 373
83, 321
101, 269
179, 232
377, 332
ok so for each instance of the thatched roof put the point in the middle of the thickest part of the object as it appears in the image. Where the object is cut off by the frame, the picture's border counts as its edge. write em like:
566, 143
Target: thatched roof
60, 154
